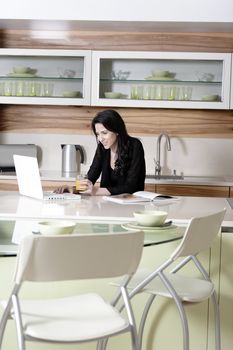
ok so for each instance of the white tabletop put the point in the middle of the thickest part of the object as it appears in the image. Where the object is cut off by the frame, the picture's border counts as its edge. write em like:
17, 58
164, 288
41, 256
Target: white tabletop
96, 209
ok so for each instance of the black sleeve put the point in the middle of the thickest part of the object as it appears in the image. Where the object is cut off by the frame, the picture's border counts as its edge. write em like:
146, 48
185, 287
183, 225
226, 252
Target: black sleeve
96, 167
135, 177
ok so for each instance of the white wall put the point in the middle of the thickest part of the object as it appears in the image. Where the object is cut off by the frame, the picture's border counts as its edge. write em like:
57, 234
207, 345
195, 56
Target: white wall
120, 10
200, 157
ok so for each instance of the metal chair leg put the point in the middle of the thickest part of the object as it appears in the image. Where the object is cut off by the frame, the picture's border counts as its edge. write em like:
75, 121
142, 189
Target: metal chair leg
143, 320
181, 310
216, 321
102, 344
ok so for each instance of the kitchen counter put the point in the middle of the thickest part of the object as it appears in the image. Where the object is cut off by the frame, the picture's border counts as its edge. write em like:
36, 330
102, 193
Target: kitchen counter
187, 180
195, 180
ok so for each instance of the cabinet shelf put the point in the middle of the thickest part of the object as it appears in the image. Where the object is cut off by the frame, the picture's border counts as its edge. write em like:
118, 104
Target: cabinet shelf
161, 79
5, 78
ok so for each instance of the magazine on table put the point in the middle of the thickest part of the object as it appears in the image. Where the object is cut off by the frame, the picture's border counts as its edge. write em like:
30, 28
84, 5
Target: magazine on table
140, 196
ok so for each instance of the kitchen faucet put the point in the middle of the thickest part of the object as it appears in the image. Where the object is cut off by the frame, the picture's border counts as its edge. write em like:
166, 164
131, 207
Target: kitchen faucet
157, 161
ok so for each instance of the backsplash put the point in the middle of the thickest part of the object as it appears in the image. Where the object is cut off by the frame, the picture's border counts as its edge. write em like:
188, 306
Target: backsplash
190, 156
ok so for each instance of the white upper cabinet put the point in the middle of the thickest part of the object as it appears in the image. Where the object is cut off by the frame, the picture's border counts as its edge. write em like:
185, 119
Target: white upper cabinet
116, 78
48, 77
161, 79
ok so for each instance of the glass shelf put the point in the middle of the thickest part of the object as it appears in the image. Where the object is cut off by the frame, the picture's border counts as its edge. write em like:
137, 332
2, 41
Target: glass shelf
6, 77
157, 81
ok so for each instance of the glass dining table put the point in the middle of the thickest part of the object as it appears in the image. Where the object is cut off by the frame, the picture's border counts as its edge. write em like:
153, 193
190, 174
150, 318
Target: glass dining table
13, 230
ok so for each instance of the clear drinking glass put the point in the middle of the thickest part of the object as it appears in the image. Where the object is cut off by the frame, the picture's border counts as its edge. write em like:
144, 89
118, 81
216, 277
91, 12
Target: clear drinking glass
187, 93
48, 89
81, 182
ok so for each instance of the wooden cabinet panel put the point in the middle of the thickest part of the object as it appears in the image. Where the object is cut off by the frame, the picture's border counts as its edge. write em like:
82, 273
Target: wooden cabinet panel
150, 187
193, 191
69, 119
52, 185
8, 185
231, 192
11, 185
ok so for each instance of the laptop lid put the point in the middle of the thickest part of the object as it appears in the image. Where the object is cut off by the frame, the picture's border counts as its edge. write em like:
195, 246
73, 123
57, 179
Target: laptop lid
28, 176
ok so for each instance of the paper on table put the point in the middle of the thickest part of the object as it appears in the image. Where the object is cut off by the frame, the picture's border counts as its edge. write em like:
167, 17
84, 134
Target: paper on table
140, 196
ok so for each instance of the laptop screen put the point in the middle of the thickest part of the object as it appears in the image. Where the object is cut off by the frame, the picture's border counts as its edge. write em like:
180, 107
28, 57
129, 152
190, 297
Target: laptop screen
28, 176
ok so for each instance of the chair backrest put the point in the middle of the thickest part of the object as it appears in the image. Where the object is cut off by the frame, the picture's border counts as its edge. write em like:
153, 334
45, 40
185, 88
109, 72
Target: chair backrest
56, 258
199, 234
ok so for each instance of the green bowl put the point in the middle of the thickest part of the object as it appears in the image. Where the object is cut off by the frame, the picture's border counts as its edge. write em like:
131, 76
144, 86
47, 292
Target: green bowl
21, 69
150, 217
58, 227
71, 94
112, 94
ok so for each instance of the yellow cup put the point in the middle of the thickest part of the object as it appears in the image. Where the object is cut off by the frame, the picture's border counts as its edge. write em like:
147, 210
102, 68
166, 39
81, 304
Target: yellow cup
81, 183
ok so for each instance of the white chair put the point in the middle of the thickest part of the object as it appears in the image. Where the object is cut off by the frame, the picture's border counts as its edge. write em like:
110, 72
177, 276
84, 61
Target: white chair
78, 318
198, 236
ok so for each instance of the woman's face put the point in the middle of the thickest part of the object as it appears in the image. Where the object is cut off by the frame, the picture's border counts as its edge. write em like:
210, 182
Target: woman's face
105, 136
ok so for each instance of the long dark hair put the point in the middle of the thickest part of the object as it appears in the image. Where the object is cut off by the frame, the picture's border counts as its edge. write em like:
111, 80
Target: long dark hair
112, 121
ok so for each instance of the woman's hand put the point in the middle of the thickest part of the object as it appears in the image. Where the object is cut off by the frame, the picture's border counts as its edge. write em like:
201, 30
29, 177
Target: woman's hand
90, 187
95, 190
64, 189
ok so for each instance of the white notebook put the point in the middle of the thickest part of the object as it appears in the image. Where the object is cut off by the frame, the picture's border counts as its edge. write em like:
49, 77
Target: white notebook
29, 182
140, 196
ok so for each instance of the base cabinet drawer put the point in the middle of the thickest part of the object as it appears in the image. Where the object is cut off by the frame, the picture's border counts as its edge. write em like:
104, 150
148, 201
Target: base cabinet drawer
193, 191
150, 187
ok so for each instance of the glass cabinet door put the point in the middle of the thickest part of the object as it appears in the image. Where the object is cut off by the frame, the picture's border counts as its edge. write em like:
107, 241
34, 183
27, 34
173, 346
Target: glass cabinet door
45, 76
161, 79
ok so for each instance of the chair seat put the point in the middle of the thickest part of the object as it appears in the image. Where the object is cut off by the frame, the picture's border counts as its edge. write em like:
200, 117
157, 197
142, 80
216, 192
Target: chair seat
189, 289
78, 318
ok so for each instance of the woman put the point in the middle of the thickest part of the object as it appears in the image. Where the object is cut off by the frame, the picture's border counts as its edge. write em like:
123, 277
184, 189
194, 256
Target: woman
119, 158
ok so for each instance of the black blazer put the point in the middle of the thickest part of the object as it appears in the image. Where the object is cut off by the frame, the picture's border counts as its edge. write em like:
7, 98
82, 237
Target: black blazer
130, 182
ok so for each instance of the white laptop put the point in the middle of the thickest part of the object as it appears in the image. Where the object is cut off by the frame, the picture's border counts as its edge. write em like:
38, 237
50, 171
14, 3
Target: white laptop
29, 182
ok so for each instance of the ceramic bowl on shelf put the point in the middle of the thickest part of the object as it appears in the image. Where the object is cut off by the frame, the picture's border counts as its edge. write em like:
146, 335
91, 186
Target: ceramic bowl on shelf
211, 98
150, 217
71, 94
33, 71
58, 227
111, 94
21, 69
163, 74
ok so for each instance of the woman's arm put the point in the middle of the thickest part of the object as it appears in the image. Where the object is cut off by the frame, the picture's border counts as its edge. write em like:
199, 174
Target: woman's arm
96, 166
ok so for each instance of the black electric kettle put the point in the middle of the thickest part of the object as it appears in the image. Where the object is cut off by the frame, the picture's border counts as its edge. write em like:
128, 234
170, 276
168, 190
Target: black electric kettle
72, 157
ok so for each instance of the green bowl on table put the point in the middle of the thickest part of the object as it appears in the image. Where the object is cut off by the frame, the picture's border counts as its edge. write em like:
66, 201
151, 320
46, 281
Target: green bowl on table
150, 217
56, 227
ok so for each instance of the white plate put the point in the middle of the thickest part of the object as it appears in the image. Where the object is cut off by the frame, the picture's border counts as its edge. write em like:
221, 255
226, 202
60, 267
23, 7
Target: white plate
161, 78
21, 75
133, 226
